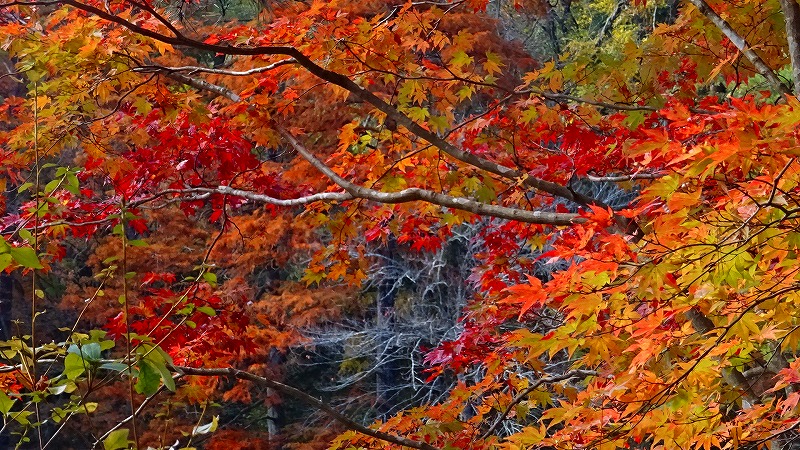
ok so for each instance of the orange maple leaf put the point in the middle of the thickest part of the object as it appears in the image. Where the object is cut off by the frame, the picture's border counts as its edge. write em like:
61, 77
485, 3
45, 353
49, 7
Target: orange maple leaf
529, 295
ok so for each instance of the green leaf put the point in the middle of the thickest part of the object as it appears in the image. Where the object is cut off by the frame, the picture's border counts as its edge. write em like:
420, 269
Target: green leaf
58, 389
6, 403
106, 344
25, 234
26, 257
149, 378
116, 440
115, 366
485, 194
5, 260
92, 351
460, 58
207, 310
142, 106
58, 415
166, 375
72, 180
51, 186
210, 278
21, 417
74, 366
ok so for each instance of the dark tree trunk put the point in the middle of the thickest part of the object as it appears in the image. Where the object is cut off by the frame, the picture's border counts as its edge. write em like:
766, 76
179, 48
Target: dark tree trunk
388, 368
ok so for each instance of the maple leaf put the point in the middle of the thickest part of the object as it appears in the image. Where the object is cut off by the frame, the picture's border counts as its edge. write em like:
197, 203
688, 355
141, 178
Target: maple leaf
530, 295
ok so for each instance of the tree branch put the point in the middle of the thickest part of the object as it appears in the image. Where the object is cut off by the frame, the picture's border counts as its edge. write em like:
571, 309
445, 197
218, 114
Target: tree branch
202, 85
307, 399
623, 178
791, 15
556, 97
404, 196
417, 194
139, 410
261, 198
346, 83
621, 4
742, 45
198, 69
732, 376
524, 393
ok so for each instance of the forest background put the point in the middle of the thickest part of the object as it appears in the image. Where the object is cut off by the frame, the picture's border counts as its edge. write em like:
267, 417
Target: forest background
383, 224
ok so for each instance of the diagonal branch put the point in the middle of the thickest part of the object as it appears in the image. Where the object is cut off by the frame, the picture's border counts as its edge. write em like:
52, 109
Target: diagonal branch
200, 84
197, 69
743, 46
621, 4
138, 412
417, 194
261, 198
731, 375
307, 399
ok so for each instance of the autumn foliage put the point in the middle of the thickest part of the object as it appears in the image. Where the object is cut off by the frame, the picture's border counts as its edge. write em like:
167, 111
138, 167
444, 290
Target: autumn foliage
205, 205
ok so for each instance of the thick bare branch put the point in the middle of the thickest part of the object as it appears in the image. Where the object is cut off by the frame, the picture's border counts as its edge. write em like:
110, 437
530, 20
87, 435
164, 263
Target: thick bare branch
203, 85
742, 45
191, 70
417, 194
261, 198
307, 399
404, 196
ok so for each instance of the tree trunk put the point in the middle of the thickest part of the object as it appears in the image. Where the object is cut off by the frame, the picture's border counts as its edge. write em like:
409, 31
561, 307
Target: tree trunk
791, 14
387, 366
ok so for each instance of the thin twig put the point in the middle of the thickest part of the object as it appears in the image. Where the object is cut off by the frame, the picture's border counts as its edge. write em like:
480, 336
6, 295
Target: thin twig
524, 393
132, 416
